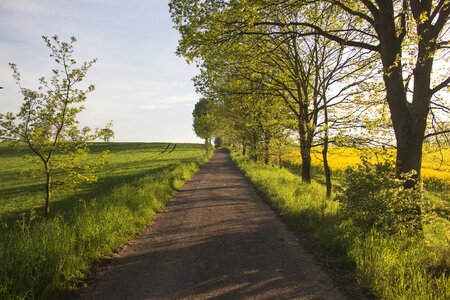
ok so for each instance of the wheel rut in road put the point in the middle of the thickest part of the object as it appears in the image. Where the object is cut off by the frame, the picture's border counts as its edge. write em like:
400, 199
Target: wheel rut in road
215, 239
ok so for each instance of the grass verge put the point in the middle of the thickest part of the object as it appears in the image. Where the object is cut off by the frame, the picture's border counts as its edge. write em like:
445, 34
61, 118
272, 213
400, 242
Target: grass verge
391, 267
46, 258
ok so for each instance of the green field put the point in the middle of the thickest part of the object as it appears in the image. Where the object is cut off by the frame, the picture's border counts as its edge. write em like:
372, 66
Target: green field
48, 257
20, 191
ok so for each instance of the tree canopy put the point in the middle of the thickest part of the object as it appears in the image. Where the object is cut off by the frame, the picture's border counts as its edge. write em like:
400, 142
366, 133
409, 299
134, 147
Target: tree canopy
342, 68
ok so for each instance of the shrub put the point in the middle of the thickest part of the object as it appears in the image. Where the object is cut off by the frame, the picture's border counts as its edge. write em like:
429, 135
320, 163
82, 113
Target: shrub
374, 197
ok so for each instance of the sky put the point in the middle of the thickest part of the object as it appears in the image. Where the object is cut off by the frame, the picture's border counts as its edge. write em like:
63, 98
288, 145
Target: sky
140, 82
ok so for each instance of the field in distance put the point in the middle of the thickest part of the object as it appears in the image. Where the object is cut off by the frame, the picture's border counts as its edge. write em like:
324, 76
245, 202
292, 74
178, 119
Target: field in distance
435, 164
435, 167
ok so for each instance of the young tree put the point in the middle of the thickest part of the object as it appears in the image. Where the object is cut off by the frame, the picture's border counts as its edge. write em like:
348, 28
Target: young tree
47, 122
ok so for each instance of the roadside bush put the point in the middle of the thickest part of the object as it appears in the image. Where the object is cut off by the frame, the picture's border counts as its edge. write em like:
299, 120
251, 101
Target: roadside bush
374, 197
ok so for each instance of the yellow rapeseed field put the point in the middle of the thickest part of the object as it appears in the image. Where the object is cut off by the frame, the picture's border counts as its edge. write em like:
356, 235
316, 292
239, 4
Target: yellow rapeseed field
435, 164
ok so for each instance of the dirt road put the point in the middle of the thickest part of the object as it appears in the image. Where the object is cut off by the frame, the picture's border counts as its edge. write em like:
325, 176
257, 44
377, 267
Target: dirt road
216, 239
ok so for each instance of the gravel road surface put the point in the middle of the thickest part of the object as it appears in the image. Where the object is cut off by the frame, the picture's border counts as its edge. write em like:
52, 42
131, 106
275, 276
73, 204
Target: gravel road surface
215, 239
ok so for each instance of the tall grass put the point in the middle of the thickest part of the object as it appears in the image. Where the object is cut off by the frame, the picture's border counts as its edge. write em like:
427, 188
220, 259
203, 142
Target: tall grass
390, 266
46, 258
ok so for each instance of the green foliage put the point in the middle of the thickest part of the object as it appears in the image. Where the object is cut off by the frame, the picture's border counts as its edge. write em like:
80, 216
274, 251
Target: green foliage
329, 64
218, 142
374, 197
43, 258
271, 82
395, 266
107, 133
47, 122
205, 122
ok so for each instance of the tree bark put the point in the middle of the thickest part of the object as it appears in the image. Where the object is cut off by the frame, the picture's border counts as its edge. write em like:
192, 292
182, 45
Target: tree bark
48, 192
306, 163
266, 149
326, 167
305, 152
409, 118
254, 149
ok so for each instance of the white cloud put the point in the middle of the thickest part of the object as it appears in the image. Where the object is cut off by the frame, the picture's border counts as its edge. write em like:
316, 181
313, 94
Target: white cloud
161, 102
30, 7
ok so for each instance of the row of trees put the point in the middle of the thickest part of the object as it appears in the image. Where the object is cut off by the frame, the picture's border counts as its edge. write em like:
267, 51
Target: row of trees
332, 71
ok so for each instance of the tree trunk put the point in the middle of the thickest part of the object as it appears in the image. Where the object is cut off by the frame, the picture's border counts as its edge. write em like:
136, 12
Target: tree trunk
254, 153
244, 150
306, 163
326, 167
408, 118
305, 143
254, 150
305, 152
327, 170
280, 159
48, 192
409, 127
409, 149
266, 150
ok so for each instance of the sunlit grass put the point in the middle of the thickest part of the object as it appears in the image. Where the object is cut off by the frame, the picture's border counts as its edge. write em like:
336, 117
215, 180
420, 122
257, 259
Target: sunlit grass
20, 191
42, 258
390, 266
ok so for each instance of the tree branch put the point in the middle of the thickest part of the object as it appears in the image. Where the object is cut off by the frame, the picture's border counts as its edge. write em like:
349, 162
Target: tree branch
440, 86
324, 33
436, 133
355, 13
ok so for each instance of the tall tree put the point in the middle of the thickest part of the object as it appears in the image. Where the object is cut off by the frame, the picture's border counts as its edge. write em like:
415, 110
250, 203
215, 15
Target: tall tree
205, 123
290, 66
399, 32
253, 110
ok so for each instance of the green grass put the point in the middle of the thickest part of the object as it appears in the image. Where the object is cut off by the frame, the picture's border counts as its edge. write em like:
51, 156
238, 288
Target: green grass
391, 267
46, 258
20, 192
